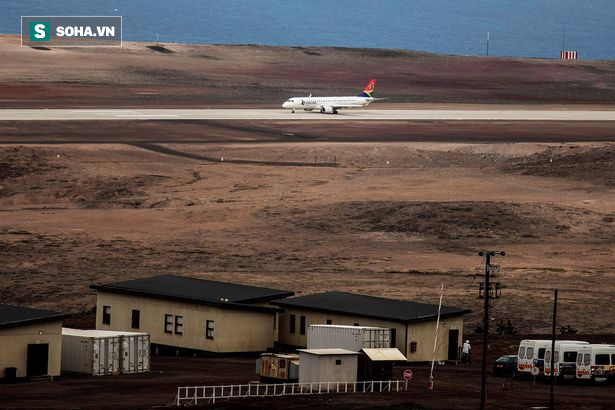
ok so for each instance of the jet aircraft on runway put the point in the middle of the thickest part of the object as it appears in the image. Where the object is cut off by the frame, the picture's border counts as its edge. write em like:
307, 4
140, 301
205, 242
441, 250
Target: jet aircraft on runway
330, 105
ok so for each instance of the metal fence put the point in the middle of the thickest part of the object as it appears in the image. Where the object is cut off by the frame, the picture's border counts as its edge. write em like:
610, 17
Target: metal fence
195, 394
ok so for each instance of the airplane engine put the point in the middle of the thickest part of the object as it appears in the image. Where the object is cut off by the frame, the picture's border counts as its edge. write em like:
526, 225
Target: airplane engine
328, 110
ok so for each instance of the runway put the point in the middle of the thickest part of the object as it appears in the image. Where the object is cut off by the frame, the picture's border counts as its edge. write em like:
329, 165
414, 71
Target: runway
286, 115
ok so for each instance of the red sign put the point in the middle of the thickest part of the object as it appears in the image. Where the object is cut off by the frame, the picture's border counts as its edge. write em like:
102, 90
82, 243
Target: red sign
407, 374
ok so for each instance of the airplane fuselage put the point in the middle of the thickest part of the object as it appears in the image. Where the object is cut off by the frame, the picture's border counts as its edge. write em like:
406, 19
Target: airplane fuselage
326, 104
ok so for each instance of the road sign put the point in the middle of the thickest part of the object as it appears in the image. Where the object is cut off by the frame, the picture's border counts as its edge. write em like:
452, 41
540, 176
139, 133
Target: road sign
407, 374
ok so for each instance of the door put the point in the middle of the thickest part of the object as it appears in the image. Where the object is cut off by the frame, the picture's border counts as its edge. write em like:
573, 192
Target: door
453, 344
38, 360
583, 370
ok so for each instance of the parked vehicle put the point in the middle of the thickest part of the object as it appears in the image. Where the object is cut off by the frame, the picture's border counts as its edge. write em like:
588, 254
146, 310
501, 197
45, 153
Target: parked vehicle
505, 366
595, 362
564, 359
532, 354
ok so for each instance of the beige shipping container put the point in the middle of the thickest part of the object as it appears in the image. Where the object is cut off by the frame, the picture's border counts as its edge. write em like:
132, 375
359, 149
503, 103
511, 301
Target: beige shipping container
102, 352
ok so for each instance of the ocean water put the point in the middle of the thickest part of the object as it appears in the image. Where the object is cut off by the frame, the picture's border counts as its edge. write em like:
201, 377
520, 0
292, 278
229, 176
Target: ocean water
525, 28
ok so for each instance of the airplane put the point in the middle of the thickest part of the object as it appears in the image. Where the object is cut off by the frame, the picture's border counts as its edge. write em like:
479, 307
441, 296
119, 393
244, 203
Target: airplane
330, 105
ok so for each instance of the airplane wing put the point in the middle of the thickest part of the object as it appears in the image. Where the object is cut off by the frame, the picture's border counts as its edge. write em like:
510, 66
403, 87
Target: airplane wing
339, 107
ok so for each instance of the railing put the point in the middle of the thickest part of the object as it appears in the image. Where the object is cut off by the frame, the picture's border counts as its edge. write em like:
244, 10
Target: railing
194, 394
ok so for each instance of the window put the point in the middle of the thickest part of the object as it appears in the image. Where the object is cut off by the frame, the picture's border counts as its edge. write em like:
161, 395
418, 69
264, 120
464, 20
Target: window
579, 360
302, 325
136, 316
570, 356
541, 353
209, 329
338, 362
329, 321
168, 323
356, 324
602, 359
292, 324
393, 340
612, 359
586, 359
548, 358
556, 357
179, 325
521, 352
529, 353
106, 317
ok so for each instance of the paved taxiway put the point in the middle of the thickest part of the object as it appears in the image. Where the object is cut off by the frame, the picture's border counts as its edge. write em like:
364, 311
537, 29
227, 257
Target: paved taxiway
278, 114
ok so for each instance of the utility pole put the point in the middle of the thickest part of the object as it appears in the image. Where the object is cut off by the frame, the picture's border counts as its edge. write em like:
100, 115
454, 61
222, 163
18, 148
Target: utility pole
551, 396
483, 381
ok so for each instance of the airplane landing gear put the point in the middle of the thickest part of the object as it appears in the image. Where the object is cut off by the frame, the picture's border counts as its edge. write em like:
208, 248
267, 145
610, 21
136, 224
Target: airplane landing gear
292, 111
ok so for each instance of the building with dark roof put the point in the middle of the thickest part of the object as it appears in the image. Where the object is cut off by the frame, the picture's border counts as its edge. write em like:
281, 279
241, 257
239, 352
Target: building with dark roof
192, 313
31, 341
412, 324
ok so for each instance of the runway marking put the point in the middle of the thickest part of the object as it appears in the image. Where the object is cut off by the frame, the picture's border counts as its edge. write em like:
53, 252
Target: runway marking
284, 115
148, 115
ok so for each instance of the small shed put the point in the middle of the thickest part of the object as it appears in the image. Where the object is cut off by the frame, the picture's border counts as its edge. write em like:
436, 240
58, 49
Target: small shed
327, 365
377, 364
278, 367
30, 342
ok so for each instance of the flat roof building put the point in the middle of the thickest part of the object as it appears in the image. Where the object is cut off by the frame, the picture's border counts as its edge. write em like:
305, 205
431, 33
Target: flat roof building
31, 341
412, 324
192, 313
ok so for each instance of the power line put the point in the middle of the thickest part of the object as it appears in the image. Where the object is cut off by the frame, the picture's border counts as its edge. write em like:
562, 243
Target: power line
487, 288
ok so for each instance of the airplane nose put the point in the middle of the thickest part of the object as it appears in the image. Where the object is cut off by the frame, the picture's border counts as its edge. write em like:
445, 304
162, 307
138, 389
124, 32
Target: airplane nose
286, 104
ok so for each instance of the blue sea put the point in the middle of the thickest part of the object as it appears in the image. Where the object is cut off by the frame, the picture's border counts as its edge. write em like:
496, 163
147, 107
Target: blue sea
525, 28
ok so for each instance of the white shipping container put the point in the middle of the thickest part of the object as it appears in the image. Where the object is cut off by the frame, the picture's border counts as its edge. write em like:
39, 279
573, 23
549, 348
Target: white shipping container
135, 352
102, 352
352, 338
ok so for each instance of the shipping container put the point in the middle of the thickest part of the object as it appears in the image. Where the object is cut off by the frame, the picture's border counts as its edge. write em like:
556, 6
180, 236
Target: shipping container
102, 352
352, 338
135, 352
278, 367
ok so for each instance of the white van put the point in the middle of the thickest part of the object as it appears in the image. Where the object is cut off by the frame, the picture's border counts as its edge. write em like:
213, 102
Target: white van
565, 359
532, 353
595, 362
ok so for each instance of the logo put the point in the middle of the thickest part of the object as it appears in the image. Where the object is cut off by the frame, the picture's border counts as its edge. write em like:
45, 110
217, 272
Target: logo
71, 31
39, 31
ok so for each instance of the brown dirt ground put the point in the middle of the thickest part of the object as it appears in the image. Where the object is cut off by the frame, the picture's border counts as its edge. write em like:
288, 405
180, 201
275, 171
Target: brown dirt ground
455, 387
384, 208
212, 75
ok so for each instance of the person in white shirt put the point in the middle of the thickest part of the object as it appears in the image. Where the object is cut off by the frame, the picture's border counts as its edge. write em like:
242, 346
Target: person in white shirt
465, 352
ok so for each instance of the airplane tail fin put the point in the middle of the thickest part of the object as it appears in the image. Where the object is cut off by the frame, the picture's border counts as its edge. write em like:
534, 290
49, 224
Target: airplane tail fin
369, 89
